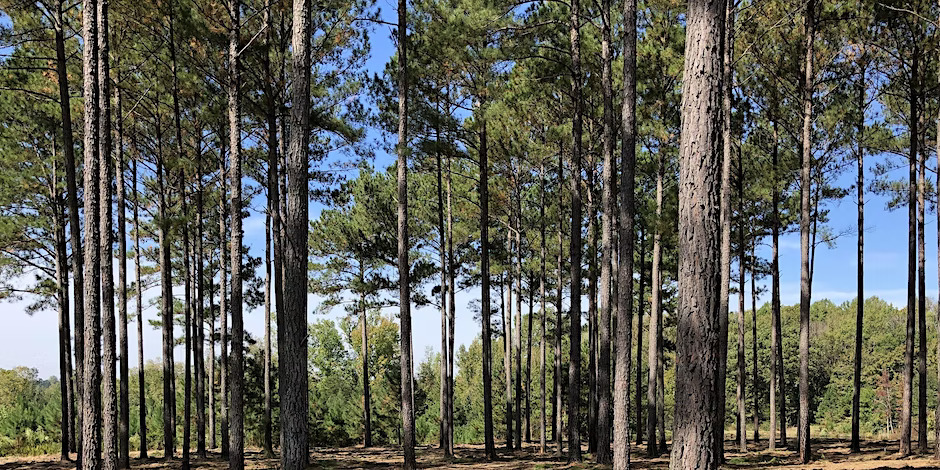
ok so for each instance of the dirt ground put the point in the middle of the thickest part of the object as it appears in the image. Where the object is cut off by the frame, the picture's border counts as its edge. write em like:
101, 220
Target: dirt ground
829, 454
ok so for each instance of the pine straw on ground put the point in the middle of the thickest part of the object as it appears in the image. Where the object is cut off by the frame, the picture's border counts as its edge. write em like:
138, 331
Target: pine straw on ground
829, 454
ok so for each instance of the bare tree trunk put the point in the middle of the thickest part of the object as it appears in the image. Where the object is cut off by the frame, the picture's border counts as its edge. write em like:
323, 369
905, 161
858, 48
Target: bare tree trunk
236, 448
211, 377
699, 313
109, 416
742, 379
937, 411
223, 302
641, 304
68, 148
506, 285
656, 313
141, 383
124, 460
486, 308
609, 295
574, 315
272, 223
805, 208
624, 322
517, 339
542, 312
187, 327
62, 306
199, 327
444, 431
855, 445
591, 251
558, 390
91, 378
725, 221
754, 343
451, 320
528, 366
776, 342
366, 398
921, 307
292, 323
404, 266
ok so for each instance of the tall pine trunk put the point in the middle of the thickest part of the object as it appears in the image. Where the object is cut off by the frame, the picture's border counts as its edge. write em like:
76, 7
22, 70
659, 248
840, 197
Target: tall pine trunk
124, 417
542, 312
754, 371
608, 294
641, 305
485, 305
223, 301
517, 338
292, 324
805, 209
75, 235
272, 237
138, 281
855, 445
742, 378
776, 342
91, 378
506, 285
656, 313
699, 313
574, 314
921, 303
558, 390
57, 206
404, 266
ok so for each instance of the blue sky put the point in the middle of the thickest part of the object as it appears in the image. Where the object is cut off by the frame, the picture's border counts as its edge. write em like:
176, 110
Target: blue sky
32, 340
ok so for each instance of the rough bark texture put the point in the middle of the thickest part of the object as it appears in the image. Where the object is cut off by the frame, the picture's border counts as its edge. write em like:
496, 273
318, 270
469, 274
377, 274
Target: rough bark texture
776, 346
506, 286
805, 210
124, 374
366, 398
486, 309
528, 366
444, 432
754, 371
292, 322
624, 322
75, 236
62, 309
574, 315
199, 325
141, 396
272, 231
91, 378
603, 453
452, 306
905, 445
697, 354
558, 390
404, 293
937, 411
656, 319
109, 417
860, 298
641, 305
742, 379
542, 312
725, 221
517, 337
223, 303
921, 309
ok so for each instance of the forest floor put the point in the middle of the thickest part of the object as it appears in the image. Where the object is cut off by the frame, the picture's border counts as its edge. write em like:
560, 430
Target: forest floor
829, 454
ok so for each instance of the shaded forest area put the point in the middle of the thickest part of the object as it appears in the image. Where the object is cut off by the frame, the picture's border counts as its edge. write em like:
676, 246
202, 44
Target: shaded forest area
588, 180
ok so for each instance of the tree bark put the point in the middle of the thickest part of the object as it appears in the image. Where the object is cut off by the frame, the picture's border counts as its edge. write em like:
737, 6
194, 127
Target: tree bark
486, 309
124, 419
641, 304
656, 313
742, 379
57, 206
574, 314
776, 343
542, 312
921, 305
444, 431
141, 383
91, 378
528, 366
404, 266
109, 416
754, 343
517, 338
624, 260
223, 301
697, 354
68, 150
608, 295
451, 320
805, 208
506, 285
860, 298
725, 221
199, 325
292, 323
272, 225
558, 390
366, 397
